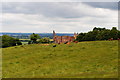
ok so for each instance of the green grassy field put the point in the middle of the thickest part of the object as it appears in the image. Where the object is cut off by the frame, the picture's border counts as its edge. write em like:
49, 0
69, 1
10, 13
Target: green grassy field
26, 42
94, 59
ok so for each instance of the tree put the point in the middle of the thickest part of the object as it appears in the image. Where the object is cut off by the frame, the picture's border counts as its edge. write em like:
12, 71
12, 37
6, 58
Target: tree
118, 34
99, 34
44, 40
34, 37
98, 29
80, 37
8, 41
114, 33
18, 42
29, 42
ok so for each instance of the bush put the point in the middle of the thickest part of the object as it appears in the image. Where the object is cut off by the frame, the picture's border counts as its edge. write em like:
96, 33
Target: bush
29, 42
8, 41
34, 37
19, 43
44, 40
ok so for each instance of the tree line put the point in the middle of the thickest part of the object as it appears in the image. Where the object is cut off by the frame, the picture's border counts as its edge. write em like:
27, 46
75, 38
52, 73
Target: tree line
95, 34
7, 41
99, 34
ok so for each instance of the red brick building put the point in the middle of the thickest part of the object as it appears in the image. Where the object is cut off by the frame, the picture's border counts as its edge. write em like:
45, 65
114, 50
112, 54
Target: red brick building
63, 39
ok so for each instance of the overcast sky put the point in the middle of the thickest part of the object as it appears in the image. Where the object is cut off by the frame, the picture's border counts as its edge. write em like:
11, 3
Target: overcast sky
59, 16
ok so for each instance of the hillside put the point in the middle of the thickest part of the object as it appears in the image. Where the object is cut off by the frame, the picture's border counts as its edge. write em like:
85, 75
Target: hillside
93, 59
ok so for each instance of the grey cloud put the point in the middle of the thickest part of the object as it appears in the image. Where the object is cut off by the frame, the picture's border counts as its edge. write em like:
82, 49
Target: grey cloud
107, 5
48, 9
50, 16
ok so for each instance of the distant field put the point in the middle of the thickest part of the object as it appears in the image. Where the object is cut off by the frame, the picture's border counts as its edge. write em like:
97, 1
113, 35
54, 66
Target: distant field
24, 43
24, 39
29, 39
94, 59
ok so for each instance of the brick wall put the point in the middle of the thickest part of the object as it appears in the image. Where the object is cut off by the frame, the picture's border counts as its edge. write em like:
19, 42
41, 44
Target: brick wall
63, 39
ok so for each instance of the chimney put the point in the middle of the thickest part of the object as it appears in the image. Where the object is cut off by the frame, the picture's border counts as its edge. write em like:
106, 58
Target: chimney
54, 34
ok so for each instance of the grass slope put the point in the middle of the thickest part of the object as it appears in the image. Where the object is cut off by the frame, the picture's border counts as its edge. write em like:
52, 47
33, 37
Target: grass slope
95, 59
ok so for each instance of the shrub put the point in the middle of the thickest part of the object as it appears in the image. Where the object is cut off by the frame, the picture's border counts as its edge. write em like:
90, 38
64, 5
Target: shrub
8, 41
44, 40
29, 42
34, 37
19, 43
